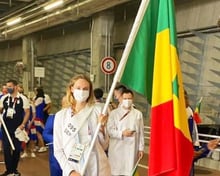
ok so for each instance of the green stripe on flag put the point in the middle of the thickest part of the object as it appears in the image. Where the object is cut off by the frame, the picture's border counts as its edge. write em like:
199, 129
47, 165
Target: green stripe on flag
138, 71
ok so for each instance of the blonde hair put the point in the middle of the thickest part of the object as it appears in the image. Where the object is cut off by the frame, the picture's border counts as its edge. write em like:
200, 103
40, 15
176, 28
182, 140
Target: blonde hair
69, 95
64, 102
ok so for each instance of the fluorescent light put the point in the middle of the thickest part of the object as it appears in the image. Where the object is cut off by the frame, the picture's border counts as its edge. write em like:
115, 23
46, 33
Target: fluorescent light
53, 5
4, 32
13, 21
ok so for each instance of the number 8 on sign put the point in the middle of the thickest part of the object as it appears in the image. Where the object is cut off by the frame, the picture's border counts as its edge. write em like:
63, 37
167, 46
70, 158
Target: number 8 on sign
108, 65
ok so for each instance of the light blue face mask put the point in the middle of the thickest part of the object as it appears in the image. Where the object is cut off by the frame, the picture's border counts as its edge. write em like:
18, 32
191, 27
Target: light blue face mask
10, 90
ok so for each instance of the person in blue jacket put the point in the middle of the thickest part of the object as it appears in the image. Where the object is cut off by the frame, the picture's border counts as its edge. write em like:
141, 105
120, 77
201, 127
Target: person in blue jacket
55, 169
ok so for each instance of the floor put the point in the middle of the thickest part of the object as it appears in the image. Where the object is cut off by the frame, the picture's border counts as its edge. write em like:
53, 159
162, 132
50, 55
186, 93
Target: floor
199, 171
31, 166
39, 167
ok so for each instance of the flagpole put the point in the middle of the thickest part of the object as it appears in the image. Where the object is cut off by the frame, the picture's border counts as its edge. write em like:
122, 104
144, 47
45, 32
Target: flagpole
124, 58
135, 167
6, 131
119, 71
200, 100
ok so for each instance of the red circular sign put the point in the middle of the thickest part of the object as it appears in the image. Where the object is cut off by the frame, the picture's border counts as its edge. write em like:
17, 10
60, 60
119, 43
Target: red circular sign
108, 65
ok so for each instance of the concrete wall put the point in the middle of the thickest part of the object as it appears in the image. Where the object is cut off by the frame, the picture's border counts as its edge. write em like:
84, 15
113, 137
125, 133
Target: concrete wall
71, 37
65, 51
197, 50
11, 52
196, 14
189, 15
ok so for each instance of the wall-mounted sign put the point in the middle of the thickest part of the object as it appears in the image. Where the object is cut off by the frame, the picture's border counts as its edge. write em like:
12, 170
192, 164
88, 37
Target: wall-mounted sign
108, 65
39, 72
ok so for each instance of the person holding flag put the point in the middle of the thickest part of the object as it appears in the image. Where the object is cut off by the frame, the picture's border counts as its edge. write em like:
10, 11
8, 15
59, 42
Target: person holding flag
74, 129
15, 111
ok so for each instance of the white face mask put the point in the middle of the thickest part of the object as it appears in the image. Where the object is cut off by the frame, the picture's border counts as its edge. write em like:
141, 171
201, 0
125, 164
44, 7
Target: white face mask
127, 103
80, 95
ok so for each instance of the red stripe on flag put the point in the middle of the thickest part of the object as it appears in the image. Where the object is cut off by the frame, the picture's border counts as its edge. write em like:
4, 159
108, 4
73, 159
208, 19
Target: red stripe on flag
168, 149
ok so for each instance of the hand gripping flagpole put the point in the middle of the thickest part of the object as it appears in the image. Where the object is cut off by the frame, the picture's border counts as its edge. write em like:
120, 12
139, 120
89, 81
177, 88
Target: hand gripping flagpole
119, 72
6, 131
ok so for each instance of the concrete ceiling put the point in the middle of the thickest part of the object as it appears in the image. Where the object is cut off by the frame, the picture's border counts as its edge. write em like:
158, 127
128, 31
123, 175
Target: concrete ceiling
8, 6
35, 18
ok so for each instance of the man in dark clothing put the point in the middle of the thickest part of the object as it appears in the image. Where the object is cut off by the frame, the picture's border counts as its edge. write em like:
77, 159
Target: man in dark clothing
15, 109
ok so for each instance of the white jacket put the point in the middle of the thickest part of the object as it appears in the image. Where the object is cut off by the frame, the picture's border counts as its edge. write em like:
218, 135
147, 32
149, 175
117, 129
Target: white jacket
123, 151
64, 126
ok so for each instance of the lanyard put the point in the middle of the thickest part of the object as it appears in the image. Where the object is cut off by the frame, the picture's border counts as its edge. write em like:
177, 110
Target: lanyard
124, 116
15, 101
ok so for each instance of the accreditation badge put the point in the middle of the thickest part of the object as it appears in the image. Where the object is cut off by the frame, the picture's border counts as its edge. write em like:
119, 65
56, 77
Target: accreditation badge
10, 112
76, 152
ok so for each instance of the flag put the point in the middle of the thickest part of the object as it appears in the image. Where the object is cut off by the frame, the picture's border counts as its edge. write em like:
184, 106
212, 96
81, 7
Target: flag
138, 72
196, 115
135, 173
153, 69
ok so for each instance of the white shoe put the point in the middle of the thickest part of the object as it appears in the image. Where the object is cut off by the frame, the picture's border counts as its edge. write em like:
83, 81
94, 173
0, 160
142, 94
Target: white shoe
33, 155
36, 148
42, 149
24, 155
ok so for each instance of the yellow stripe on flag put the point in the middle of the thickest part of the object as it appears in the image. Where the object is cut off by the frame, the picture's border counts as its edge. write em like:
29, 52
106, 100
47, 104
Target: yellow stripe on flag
162, 81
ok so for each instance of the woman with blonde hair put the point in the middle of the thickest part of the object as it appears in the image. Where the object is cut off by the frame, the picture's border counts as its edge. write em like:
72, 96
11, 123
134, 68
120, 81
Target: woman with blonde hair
74, 128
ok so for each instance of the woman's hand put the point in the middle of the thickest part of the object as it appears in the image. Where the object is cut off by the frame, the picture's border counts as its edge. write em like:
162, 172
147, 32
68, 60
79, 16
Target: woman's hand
102, 119
74, 173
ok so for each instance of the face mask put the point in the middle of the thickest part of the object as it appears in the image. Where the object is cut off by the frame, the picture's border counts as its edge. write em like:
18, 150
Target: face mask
80, 95
10, 90
127, 103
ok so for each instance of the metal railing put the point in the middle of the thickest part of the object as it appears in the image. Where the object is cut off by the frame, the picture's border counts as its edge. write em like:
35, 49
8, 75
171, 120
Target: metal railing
147, 137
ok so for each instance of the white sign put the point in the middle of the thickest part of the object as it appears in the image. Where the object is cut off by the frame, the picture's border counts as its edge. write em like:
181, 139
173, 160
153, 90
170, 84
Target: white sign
108, 65
39, 72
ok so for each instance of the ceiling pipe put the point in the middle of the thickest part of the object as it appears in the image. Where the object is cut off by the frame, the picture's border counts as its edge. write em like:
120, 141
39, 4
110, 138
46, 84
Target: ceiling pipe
189, 33
71, 13
17, 11
27, 10
46, 17
32, 15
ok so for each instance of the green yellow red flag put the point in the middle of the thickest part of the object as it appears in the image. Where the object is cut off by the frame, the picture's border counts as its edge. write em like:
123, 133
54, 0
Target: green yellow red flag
153, 69
196, 115
138, 72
